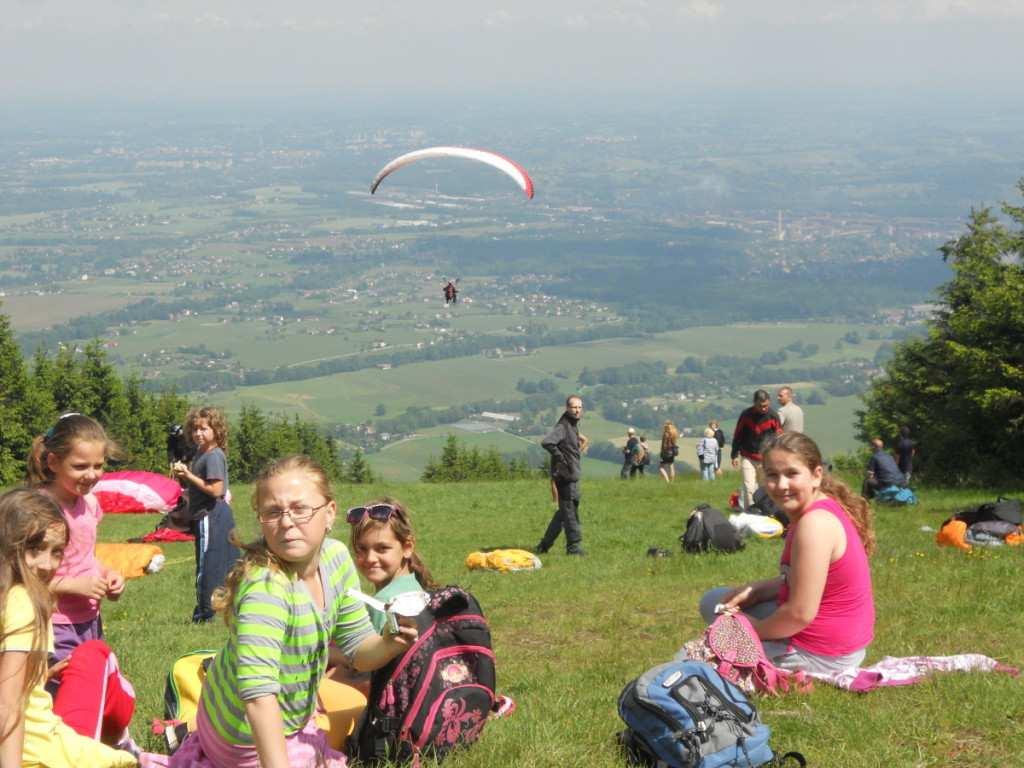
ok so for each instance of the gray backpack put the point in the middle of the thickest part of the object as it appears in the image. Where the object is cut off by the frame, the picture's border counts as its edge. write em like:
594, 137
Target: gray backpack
707, 529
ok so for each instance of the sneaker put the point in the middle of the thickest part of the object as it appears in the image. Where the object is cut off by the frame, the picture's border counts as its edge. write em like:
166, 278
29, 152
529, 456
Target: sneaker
578, 551
540, 549
127, 744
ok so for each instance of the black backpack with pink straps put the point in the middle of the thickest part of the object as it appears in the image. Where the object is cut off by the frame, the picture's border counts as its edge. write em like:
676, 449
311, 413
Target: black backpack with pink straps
438, 694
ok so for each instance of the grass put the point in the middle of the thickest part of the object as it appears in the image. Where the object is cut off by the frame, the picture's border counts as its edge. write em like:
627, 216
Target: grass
568, 637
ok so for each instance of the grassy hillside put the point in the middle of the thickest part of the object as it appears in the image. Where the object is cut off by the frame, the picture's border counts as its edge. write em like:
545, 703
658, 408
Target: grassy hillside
569, 636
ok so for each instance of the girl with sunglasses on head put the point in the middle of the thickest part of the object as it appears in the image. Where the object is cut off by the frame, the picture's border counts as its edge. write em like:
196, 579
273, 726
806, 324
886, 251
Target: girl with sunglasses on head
384, 546
284, 603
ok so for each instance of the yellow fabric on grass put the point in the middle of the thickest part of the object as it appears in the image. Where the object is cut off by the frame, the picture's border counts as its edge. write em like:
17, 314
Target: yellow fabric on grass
503, 560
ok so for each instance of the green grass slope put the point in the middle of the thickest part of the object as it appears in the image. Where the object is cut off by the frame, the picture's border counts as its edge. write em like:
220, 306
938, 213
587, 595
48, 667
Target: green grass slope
569, 636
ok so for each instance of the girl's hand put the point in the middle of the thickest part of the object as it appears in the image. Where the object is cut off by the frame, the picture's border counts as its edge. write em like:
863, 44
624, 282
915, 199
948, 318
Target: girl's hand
407, 633
94, 587
57, 669
736, 599
115, 585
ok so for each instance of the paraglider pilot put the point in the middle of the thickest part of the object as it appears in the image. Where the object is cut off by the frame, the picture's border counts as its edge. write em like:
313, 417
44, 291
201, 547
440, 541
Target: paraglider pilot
451, 294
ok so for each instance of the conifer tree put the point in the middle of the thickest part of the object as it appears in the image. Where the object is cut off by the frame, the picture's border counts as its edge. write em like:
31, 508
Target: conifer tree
358, 470
15, 390
960, 390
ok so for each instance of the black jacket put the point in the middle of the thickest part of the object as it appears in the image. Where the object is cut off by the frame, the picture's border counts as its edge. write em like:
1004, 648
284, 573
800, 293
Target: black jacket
563, 443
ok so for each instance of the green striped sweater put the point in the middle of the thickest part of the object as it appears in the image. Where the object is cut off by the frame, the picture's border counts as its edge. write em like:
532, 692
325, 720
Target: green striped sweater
278, 644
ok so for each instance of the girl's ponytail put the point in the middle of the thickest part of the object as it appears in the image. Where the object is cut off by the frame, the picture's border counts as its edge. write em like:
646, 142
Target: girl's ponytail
36, 471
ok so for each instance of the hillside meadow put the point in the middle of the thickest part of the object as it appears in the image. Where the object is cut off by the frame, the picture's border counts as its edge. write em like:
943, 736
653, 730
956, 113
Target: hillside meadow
568, 637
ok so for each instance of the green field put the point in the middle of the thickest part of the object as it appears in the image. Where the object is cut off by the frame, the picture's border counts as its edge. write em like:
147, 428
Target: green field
568, 637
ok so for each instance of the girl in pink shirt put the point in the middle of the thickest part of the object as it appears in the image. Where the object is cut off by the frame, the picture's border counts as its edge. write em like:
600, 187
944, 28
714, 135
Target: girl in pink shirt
819, 614
66, 463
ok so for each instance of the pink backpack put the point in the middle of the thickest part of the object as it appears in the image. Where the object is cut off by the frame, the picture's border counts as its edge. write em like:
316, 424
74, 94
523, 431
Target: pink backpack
732, 646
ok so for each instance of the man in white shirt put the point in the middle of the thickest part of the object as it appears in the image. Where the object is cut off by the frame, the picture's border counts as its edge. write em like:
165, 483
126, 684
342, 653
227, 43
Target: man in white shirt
790, 414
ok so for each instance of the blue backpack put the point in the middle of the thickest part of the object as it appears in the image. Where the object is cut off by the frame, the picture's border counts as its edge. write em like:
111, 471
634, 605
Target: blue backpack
684, 714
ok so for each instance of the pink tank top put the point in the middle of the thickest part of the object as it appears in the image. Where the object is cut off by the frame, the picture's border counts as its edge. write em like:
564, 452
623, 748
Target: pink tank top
846, 617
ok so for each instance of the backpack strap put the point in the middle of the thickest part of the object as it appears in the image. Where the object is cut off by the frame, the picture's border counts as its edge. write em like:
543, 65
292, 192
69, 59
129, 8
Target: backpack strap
780, 761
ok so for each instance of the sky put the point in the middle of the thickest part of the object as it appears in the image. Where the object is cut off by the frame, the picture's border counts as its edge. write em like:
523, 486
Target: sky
209, 49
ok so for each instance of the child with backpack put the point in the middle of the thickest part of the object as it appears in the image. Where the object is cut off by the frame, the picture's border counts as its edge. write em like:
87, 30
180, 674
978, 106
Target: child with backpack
65, 464
440, 694
384, 546
819, 614
95, 700
284, 603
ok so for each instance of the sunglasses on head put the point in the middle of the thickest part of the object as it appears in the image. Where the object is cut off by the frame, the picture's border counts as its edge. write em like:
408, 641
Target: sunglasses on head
379, 512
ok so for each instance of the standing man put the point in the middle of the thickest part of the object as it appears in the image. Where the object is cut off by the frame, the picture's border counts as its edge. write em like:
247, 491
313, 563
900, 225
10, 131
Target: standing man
629, 451
906, 449
791, 415
565, 443
755, 424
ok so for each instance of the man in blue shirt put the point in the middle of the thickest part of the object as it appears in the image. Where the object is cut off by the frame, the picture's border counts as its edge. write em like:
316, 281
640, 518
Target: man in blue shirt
883, 471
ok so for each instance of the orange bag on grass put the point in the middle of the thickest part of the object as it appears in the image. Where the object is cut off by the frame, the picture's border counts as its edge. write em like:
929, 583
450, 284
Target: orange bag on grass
953, 534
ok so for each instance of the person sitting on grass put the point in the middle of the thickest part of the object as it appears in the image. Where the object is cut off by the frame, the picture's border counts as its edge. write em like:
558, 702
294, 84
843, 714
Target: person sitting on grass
819, 614
86, 726
284, 603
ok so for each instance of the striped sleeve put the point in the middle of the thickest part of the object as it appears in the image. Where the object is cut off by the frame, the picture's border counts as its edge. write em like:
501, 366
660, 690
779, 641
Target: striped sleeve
351, 621
261, 619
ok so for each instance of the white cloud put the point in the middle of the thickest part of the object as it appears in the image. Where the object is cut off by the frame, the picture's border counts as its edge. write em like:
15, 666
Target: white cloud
497, 18
702, 9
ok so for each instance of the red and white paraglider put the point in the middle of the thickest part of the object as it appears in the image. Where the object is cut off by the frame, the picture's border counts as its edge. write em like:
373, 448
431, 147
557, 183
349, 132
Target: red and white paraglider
503, 164
135, 491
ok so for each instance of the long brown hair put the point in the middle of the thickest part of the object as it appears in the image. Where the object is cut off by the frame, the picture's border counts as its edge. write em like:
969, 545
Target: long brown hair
25, 517
669, 436
401, 525
215, 418
59, 441
257, 554
858, 510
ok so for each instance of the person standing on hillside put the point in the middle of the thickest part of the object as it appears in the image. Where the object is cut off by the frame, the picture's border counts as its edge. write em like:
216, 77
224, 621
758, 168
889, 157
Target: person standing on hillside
720, 439
629, 451
755, 424
565, 444
791, 415
906, 449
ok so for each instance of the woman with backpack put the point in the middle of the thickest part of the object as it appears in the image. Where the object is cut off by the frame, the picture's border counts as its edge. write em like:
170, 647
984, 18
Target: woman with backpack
669, 451
818, 615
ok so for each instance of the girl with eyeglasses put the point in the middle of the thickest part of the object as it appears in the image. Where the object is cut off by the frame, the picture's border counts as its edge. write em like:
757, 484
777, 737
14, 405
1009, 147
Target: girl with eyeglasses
384, 545
284, 604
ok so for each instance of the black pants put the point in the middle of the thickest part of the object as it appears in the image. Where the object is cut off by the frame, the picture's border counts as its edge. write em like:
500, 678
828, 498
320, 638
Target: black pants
215, 554
567, 516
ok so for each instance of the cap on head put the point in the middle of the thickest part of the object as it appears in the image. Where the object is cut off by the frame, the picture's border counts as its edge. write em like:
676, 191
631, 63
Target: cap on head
630, 431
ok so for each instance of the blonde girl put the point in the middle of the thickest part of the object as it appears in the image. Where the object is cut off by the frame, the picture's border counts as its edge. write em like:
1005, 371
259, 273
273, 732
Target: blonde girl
66, 463
284, 604
210, 518
384, 546
819, 614
36, 731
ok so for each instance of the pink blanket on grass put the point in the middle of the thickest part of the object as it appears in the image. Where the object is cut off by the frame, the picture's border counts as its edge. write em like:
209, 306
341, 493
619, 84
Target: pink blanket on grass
907, 670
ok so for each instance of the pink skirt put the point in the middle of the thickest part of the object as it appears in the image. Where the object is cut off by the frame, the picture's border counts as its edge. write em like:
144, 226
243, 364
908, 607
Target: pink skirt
203, 748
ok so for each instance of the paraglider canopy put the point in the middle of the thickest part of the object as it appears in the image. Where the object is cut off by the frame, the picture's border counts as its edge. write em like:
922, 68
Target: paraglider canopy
136, 491
503, 164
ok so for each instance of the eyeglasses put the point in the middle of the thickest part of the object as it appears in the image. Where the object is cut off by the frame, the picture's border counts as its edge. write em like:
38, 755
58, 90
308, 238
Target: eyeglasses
298, 515
379, 512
